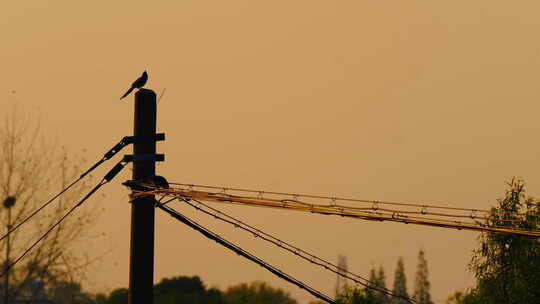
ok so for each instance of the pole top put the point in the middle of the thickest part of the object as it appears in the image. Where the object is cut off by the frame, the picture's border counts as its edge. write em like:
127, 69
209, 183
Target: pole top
145, 93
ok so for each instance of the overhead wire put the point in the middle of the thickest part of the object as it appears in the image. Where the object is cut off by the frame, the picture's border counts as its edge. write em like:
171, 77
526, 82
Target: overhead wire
294, 250
39, 209
106, 179
344, 199
424, 208
424, 216
242, 252
115, 149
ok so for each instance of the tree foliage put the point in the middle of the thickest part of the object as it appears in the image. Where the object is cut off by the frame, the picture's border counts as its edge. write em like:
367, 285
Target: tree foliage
464, 297
117, 296
400, 283
192, 290
64, 292
354, 295
421, 284
380, 283
185, 290
175, 290
256, 293
507, 267
367, 295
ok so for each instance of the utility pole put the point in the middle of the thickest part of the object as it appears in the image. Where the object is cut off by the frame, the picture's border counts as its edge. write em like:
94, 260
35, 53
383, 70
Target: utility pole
141, 272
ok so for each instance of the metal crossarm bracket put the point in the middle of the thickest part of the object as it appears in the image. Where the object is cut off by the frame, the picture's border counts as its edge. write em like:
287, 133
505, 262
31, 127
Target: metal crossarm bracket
143, 157
141, 139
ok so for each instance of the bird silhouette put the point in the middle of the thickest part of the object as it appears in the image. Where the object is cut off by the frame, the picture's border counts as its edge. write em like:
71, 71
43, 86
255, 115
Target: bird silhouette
137, 84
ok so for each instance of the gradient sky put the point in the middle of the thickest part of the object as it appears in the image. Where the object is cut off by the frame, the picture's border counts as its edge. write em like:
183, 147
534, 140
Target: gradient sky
420, 101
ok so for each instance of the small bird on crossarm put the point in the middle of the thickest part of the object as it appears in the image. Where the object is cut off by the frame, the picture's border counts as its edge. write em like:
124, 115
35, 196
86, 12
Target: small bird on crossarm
137, 84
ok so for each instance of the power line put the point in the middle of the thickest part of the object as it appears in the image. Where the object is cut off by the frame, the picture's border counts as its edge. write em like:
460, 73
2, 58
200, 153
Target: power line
115, 149
39, 209
295, 250
108, 177
372, 212
335, 198
238, 250
424, 207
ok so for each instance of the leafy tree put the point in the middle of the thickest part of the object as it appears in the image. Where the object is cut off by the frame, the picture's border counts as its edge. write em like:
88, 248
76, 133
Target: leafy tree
367, 295
256, 293
118, 296
341, 282
356, 296
373, 277
507, 267
64, 292
400, 283
370, 296
381, 284
100, 298
191, 290
464, 297
185, 290
421, 286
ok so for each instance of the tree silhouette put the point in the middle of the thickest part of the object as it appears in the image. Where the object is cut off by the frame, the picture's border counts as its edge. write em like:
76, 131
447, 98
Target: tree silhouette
507, 267
32, 169
421, 284
400, 283
175, 290
257, 293
185, 290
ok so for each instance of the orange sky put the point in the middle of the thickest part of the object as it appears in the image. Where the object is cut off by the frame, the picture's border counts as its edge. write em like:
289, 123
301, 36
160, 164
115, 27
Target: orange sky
416, 101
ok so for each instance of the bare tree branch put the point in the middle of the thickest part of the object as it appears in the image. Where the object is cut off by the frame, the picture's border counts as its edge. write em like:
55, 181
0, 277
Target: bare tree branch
32, 168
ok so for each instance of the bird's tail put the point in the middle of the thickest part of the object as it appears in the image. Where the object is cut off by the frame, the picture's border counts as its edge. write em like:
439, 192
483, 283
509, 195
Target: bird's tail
127, 93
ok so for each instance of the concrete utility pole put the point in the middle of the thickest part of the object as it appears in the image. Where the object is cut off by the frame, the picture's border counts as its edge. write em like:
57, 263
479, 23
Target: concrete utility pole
141, 272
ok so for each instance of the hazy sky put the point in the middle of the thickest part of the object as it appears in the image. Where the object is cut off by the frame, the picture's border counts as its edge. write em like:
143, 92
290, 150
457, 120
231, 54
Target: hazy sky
421, 101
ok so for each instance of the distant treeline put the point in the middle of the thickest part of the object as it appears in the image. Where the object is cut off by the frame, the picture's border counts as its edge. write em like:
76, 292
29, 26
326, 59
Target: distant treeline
182, 289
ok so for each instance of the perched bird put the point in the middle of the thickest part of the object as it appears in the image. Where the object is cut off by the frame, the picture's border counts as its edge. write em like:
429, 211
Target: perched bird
156, 181
137, 84
160, 182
